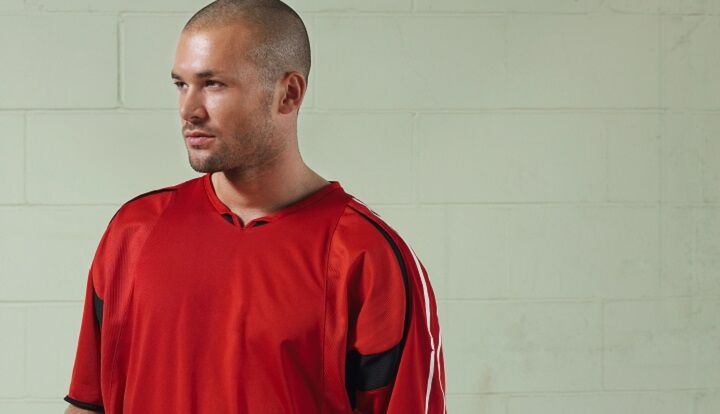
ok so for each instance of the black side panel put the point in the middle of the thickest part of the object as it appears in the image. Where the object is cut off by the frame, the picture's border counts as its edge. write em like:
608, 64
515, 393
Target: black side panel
352, 375
368, 372
98, 307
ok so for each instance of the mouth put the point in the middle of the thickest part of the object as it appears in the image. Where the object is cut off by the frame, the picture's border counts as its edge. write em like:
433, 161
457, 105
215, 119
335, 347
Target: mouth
195, 141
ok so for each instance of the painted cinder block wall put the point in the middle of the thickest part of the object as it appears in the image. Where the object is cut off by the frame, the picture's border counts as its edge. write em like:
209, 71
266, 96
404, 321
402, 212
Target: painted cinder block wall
555, 164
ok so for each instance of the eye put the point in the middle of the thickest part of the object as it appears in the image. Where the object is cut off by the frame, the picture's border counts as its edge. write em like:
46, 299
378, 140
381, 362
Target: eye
179, 84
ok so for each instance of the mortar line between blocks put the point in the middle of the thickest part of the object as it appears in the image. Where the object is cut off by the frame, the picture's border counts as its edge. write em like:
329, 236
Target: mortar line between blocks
602, 344
606, 136
414, 156
25, 351
119, 56
25, 158
660, 124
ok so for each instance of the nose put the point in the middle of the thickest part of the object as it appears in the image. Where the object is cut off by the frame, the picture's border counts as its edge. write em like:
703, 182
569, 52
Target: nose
192, 107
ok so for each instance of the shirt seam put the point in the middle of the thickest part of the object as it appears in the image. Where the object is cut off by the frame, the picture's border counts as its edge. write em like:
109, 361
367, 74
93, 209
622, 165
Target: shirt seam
327, 272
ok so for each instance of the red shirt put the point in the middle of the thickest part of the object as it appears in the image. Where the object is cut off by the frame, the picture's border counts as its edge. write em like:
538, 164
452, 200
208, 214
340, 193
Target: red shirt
319, 307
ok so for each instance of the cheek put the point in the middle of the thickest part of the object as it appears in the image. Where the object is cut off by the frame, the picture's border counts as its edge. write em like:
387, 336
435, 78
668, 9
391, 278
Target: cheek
227, 110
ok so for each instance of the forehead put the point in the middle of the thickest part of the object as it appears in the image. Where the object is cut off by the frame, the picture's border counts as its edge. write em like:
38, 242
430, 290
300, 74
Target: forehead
220, 48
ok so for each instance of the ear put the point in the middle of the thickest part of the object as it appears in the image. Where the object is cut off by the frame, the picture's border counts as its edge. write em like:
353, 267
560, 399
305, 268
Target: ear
292, 92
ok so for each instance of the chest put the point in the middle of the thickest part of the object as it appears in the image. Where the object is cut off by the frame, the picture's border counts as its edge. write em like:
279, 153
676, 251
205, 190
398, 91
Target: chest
256, 287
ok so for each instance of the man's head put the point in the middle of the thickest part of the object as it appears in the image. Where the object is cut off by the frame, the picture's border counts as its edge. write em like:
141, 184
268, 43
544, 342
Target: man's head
241, 69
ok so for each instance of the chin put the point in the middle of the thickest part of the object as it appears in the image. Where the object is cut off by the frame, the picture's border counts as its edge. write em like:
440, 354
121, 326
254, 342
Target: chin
199, 165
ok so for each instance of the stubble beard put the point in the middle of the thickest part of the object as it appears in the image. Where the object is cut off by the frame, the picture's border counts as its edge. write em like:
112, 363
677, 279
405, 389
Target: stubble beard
245, 154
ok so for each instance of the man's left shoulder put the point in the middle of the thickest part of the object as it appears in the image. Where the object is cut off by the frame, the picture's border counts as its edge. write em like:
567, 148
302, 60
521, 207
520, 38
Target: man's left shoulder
362, 229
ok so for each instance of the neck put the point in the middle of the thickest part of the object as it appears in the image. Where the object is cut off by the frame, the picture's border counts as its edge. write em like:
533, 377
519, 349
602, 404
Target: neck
256, 195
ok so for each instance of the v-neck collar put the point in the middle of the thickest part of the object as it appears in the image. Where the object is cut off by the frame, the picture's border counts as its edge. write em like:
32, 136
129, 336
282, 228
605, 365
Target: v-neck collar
222, 209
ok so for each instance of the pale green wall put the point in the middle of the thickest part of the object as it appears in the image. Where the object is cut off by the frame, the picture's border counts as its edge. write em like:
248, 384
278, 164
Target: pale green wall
555, 164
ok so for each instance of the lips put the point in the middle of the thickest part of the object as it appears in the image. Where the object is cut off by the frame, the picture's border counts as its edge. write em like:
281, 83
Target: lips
198, 134
198, 140
198, 137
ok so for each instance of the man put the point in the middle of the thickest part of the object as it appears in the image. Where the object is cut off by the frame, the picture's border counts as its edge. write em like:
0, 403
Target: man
258, 287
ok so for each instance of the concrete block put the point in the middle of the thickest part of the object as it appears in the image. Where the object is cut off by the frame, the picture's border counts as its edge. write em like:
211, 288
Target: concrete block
12, 158
511, 348
662, 344
63, 61
405, 62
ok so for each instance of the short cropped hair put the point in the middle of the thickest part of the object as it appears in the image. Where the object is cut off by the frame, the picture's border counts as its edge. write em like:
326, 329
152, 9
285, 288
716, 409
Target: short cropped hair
280, 39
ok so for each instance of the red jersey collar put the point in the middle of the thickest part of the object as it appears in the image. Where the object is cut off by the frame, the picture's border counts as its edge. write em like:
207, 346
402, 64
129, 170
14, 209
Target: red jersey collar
221, 208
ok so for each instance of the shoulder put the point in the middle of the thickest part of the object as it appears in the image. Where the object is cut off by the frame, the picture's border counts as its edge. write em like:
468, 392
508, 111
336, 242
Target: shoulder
140, 212
135, 216
364, 239
126, 231
143, 208
148, 206
362, 228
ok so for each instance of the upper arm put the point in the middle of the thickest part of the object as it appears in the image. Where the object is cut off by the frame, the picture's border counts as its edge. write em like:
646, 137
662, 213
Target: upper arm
394, 360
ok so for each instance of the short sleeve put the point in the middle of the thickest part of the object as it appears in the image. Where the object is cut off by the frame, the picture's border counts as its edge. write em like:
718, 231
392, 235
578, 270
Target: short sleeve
107, 278
376, 315
85, 386
394, 362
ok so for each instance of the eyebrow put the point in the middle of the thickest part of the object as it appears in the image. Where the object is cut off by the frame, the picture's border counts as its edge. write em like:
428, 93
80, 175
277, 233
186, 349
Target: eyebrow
204, 74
